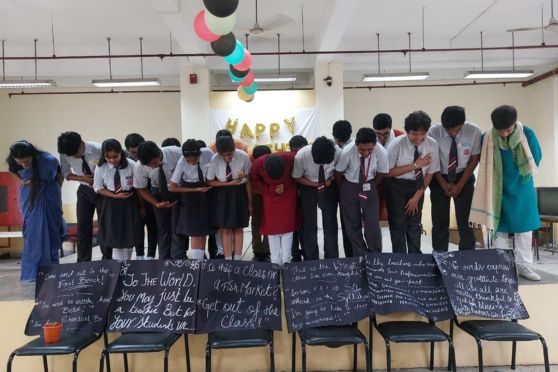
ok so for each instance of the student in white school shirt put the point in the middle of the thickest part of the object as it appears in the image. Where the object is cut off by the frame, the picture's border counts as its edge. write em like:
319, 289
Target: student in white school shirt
413, 160
189, 179
119, 216
361, 167
459, 142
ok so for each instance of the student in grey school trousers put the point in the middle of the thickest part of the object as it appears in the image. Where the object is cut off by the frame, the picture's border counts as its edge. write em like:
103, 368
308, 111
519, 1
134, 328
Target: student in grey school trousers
459, 142
361, 166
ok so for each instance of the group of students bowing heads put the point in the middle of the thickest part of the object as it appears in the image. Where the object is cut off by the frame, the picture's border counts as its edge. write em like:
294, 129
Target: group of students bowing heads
197, 191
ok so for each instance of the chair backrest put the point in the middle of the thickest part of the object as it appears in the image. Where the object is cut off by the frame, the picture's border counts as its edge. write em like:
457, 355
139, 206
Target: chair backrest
547, 198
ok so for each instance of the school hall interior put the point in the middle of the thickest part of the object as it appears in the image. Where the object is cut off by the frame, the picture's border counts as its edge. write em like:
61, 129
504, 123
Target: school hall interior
315, 62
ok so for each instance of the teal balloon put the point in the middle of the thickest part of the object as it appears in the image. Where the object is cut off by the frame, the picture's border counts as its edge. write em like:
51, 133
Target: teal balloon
251, 89
237, 55
235, 79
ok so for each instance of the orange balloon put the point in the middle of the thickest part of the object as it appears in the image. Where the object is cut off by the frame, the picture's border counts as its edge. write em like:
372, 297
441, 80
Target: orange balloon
243, 95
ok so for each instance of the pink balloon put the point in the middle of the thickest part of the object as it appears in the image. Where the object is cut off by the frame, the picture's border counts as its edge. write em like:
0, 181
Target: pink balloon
246, 62
248, 80
201, 28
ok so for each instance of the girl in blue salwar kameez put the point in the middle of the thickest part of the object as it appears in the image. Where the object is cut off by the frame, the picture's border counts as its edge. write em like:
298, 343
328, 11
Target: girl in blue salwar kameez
40, 203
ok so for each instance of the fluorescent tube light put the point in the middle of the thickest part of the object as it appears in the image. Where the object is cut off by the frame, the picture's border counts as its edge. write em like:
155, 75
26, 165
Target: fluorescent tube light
275, 79
12, 84
126, 83
404, 76
509, 74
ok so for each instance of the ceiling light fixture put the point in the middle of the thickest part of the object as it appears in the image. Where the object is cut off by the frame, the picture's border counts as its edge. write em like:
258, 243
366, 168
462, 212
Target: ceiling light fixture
126, 83
401, 76
498, 74
275, 79
14, 84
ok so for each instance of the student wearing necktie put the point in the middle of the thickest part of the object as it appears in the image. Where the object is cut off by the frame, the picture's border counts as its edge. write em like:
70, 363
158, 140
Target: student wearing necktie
78, 160
119, 216
313, 170
413, 160
189, 179
157, 166
361, 167
260, 243
459, 142
228, 173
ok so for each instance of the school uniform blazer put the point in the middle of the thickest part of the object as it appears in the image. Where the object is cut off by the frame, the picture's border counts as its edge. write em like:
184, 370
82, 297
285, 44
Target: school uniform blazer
279, 211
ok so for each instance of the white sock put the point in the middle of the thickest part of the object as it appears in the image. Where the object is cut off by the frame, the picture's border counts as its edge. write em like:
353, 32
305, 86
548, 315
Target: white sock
122, 254
198, 254
238, 257
228, 258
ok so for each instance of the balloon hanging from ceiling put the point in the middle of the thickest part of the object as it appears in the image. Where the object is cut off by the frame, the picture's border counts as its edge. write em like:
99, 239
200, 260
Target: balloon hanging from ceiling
225, 45
201, 29
221, 8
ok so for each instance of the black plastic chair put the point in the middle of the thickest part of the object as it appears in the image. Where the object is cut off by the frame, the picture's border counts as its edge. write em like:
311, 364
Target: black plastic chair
239, 339
144, 343
500, 330
331, 336
411, 332
68, 344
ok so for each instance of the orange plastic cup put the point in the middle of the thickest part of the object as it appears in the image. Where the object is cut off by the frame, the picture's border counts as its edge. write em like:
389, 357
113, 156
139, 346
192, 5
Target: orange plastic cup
52, 332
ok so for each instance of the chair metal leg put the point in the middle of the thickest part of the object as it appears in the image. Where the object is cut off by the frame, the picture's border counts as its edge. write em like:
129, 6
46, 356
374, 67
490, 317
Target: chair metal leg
388, 357
187, 351
367, 356
45, 363
166, 361
431, 356
293, 356
479, 348
452, 364
10, 360
74, 363
303, 345
514, 347
271, 357
370, 340
354, 357
102, 361
125, 362
105, 338
545, 354
207, 358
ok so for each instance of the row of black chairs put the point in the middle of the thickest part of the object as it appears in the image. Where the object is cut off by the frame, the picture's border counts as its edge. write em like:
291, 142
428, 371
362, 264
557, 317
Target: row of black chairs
330, 336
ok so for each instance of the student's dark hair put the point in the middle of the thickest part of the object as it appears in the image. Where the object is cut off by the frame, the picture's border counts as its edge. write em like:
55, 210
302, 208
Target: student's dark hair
202, 144
260, 150
323, 150
114, 146
133, 140
417, 120
69, 143
171, 141
223, 133
453, 116
24, 149
503, 117
224, 144
381, 121
342, 130
147, 151
365, 135
191, 148
297, 142
274, 165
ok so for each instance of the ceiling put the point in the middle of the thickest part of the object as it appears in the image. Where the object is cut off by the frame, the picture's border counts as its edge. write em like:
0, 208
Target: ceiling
82, 26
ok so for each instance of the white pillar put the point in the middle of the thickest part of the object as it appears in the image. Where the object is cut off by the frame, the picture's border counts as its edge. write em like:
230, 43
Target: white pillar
194, 103
329, 99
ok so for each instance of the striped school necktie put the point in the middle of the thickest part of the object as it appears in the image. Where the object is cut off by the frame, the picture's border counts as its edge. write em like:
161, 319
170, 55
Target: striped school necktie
419, 177
200, 174
452, 162
117, 181
228, 173
85, 167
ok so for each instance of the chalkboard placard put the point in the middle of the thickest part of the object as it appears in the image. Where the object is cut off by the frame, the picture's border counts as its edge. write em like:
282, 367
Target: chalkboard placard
156, 296
400, 282
238, 295
482, 283
325, 292
77, 295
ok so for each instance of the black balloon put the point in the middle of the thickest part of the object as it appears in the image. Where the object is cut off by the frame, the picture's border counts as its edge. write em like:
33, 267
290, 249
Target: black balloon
224, 45
238, 74
221, 8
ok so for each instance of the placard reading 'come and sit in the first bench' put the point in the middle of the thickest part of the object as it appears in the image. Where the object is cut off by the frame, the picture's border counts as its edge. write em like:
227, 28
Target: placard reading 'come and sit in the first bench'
482, 283
156, 296
77, 295
238, 295
325, 292
401, 282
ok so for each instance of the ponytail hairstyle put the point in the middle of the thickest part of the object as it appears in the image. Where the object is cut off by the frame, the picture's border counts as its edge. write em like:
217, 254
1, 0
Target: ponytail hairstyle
24, 149
114, 146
